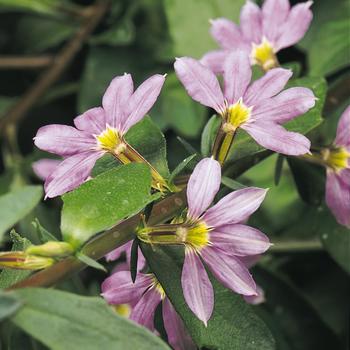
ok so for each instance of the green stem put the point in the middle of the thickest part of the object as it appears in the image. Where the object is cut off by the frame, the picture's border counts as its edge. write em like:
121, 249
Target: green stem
295, 246
102, 244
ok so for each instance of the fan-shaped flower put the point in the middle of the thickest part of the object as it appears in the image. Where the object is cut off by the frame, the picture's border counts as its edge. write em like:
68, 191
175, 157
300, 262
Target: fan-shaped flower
261, 34
99, 131
259, 108
144, 296
216, 236
337, 159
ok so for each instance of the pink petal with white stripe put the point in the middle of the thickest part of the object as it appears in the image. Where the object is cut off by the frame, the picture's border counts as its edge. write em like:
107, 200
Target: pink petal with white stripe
338, 198
178, 337
214, 60
235, 207
115, 99
285, 106
119, 288
229, 271
226, 33
267, 86
275, 138
71, 173
63, 140
251, 22
142, 101
343, 130
295, 26
203, 185
239, 240
237, 75
43, 168
93, 121
274, 13
197, 288
143, 312
200, 83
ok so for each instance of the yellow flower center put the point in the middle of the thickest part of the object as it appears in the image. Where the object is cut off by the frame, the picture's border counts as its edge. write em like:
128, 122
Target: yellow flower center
264, 55
109, 140
237, 114
336, 158
197, 236
158, 287
123, 310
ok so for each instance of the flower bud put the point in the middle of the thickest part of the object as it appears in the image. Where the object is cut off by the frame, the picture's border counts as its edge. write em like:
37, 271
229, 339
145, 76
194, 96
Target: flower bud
51, 249
23, 261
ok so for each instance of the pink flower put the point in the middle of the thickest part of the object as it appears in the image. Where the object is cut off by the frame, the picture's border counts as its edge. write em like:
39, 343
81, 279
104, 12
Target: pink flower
97, 131
261, 34
44, 167
338, 172
216, 236
259, 108
144, 296
126, 248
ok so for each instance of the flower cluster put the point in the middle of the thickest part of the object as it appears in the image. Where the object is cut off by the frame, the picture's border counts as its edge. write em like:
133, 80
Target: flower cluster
215, 238
261, 34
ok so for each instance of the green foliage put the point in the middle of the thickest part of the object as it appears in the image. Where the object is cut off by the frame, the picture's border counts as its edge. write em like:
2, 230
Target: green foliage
192, 16
8, 305
15, 205
231, 315
41, 6
101, 202
65, 321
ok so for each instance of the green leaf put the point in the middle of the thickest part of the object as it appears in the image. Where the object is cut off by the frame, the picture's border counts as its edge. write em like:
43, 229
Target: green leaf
149, 141
335, 239
192, 16
208, 135
179, 110
15, 205
327, 39
278, 169
100, 203
90, 262
40, 6
181, 167
232, 184
329, 50
233, 324
8, 277
309, 179
43, 234
35, 34
134, 258
290, 317
65, 321
9, 304
244, 145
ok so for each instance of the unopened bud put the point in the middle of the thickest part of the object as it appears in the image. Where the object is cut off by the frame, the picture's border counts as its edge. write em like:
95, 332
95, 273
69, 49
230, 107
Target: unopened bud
23, 261
51, 249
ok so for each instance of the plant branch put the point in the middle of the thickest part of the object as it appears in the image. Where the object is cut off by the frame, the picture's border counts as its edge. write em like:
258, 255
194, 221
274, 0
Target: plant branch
295, 246
23, 62
102, 244
60, 63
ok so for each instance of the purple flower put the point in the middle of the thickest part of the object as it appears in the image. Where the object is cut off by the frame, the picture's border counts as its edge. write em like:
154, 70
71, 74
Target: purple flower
44, 167
126, 248
96, 132
261, 34
259, 108
144, 296
216, 236
338, 171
